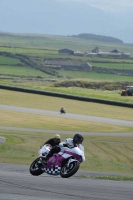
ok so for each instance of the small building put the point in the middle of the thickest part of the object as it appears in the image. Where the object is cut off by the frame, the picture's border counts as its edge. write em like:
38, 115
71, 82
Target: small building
89, 66
109, 54
91, 54
78, 53
52, 66
125, 55
115, 51
96, 50
67, 64
66, 51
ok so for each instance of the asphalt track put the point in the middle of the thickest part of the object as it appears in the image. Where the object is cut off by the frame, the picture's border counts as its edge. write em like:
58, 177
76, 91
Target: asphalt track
70, 116
16, 183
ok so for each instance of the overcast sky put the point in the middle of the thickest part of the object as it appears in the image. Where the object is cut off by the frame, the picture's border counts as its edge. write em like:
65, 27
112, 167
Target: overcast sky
57, 17
107, 5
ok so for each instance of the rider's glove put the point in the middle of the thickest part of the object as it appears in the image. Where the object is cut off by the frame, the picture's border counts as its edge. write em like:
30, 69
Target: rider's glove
65, 145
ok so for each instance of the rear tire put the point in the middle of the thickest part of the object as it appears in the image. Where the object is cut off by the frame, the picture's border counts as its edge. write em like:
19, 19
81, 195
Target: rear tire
67, 172
35, 168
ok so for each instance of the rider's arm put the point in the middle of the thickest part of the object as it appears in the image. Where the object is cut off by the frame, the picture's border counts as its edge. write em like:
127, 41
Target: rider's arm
47, 142
62, 144
51, 142
67, 143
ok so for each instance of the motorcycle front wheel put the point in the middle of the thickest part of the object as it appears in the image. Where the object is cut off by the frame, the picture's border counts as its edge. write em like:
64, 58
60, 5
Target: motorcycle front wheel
36, 168
68, 171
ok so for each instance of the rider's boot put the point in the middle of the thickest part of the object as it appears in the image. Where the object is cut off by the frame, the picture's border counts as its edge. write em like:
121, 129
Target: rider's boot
39, 162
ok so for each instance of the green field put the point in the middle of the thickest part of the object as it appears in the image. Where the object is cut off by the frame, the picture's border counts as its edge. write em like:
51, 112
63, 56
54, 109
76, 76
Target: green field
9, 61
23, 66
53, 103
20, 71
15, 72
63, 74
59, 42
53, 53
122, 66
105, 154
29, 51
93, 76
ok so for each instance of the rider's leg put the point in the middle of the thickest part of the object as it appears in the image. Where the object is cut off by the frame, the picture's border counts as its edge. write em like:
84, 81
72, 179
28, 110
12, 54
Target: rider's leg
55, 149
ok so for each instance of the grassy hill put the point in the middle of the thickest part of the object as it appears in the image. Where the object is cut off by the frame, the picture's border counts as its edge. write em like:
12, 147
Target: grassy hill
99, 38
56, 42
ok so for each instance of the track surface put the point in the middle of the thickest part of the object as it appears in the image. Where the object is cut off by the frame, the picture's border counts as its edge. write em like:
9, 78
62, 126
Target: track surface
16, 183
68, 115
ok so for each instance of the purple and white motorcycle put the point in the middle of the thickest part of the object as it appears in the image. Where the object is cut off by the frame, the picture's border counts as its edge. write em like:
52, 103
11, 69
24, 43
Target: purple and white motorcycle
65, 163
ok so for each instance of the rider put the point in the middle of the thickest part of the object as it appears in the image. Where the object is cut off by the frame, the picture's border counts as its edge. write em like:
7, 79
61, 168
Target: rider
62, 109
54, 141
70, 143
75, 142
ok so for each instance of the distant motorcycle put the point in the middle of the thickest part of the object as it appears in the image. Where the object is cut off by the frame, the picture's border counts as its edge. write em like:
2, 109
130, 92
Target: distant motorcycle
62, 111
65, 163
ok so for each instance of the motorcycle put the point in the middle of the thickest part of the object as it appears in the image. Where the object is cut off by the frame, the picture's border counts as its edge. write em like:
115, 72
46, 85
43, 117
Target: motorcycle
62, 111
65, 163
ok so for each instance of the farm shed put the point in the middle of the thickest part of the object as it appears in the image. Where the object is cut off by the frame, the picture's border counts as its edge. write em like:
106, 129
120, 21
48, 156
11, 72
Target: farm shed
69, 64
66, 52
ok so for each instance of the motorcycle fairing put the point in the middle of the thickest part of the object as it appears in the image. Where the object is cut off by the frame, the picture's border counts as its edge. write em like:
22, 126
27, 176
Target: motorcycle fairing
75, 152
68, 154
55, 170
54, 165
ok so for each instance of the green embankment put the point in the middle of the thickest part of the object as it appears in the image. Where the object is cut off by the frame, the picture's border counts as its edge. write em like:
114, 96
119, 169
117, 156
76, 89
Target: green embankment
110, 154
105, 154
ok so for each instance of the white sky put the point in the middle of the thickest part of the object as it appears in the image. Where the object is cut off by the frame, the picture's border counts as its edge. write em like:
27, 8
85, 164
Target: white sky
107, 5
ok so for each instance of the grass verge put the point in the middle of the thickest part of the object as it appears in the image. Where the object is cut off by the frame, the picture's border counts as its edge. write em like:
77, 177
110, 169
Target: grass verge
114, 178
103, 154
25, 120
72, 106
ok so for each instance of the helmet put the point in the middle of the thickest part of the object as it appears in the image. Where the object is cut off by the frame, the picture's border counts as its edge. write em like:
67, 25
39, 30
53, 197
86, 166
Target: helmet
78, 139
57, 138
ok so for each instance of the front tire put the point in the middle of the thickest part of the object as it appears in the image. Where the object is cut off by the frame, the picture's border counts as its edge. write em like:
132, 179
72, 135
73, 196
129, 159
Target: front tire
36, 168
67, 172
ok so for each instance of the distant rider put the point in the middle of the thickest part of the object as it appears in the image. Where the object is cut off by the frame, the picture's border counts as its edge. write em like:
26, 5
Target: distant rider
62, 110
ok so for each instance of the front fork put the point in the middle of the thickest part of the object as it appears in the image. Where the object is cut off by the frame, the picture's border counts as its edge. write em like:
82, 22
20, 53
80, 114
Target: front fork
70, 161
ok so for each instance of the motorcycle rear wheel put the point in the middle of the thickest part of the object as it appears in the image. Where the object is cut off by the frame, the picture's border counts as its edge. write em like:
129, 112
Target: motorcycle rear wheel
67, 172
36, 168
